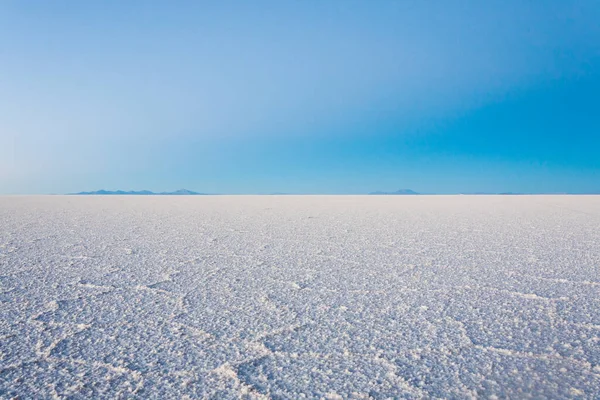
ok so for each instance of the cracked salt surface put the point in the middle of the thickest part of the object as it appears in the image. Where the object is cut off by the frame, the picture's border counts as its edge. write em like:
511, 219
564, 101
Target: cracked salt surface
300, 297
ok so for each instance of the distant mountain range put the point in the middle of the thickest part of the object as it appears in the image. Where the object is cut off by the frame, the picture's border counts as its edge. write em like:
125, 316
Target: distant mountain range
404, 192
180, 192
400, 192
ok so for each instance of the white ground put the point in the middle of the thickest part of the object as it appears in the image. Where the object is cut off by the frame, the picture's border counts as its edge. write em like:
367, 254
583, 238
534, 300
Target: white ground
292, 296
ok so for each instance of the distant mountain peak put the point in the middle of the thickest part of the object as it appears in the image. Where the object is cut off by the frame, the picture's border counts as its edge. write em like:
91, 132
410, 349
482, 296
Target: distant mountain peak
180, 192
398, 192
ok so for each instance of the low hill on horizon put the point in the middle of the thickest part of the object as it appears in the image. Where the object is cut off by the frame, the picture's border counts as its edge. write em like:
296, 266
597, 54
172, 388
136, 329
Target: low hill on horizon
404, 192
180, 192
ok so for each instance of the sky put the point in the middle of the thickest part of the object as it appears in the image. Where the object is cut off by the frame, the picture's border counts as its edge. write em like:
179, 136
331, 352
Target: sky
331, 97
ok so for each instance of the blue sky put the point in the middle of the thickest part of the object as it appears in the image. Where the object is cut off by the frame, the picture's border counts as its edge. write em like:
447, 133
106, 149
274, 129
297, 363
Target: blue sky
302, 97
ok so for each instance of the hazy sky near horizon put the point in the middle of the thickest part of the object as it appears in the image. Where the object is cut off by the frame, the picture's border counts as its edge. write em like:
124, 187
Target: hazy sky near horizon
302, 97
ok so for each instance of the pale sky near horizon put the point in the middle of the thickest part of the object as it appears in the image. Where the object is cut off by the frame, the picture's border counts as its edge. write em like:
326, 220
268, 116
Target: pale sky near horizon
300, 97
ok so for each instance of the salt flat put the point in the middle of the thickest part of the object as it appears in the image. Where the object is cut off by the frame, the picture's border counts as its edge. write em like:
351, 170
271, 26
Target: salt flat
300, 296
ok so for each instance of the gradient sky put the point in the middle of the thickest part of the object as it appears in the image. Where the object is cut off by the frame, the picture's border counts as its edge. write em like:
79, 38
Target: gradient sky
300, 96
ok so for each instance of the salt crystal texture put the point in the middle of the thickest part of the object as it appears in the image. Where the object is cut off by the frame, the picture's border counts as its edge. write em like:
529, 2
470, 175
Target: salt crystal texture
300, 296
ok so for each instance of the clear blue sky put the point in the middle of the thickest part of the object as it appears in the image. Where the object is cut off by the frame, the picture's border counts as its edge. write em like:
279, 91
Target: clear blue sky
300, 96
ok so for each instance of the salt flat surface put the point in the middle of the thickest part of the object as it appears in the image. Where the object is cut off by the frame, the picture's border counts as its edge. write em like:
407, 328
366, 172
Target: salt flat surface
300, 296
